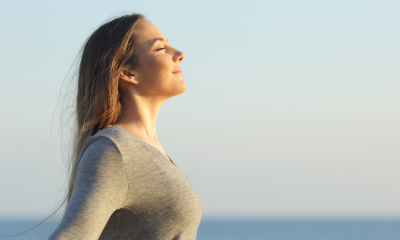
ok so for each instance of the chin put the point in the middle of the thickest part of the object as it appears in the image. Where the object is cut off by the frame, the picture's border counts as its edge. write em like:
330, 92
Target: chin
181, 88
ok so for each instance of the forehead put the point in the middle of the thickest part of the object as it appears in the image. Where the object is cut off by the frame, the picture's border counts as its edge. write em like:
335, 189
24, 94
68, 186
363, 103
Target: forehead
148, 32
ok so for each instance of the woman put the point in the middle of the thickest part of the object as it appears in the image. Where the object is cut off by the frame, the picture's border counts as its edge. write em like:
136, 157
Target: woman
122, 184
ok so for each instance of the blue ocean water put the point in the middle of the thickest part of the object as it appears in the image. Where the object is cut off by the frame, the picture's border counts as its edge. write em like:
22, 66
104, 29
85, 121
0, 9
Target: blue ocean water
251, 229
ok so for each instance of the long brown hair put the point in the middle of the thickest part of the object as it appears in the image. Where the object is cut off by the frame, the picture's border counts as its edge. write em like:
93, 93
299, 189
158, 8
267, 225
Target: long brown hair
109, 50
105, 54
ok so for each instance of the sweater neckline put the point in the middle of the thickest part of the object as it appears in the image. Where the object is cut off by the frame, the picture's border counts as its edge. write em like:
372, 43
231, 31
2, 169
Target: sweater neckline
147, 145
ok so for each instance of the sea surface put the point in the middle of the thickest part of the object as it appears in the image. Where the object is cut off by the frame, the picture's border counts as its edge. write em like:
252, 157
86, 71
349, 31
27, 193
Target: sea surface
250, 229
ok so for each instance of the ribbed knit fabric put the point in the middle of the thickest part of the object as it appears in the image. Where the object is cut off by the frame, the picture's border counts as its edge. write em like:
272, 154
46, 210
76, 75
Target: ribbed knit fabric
127, 189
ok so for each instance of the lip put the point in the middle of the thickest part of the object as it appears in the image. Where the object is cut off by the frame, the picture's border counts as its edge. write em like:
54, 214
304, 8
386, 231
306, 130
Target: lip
178, 70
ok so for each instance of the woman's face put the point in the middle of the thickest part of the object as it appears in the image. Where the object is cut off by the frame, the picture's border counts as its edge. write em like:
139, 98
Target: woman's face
157, 71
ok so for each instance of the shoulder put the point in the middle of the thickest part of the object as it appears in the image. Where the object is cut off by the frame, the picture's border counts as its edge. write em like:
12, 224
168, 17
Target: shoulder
103, 148
117, 137
100, 161
107, 138
98, 145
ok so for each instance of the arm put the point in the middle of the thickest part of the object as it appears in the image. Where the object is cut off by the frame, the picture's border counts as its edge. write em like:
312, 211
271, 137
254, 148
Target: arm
100, 189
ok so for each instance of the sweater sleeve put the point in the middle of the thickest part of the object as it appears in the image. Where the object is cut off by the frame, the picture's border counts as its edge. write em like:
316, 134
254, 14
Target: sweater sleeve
101, 187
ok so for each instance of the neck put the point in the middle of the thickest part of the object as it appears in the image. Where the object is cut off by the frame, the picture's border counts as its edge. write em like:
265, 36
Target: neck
139, 116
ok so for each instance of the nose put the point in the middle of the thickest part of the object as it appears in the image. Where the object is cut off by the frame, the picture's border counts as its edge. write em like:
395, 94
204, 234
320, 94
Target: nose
179, 56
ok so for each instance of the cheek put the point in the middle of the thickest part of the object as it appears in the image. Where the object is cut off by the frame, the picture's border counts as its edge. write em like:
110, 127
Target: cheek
158, 68
163, 63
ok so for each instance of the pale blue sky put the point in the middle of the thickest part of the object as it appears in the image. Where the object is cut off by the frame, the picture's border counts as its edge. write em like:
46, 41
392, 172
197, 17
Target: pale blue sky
292, 107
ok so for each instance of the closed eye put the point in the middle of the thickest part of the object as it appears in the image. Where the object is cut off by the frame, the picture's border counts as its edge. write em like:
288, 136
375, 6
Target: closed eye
160, 49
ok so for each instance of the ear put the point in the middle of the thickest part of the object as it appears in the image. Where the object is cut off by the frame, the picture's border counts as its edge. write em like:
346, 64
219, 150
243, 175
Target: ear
129, 76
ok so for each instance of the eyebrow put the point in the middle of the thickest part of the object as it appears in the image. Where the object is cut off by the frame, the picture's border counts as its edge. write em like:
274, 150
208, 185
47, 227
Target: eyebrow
160, 39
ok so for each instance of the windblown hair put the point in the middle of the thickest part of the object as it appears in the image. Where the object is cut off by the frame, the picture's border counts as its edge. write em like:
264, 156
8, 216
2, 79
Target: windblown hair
109, 50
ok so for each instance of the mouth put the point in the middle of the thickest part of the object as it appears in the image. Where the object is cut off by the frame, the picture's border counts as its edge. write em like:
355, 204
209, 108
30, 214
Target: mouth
177, 70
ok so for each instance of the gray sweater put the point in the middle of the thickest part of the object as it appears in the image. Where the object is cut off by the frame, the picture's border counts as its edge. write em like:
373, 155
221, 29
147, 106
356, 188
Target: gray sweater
127, 189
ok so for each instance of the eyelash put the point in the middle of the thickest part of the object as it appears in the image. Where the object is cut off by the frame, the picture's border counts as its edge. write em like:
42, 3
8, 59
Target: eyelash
160, 49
